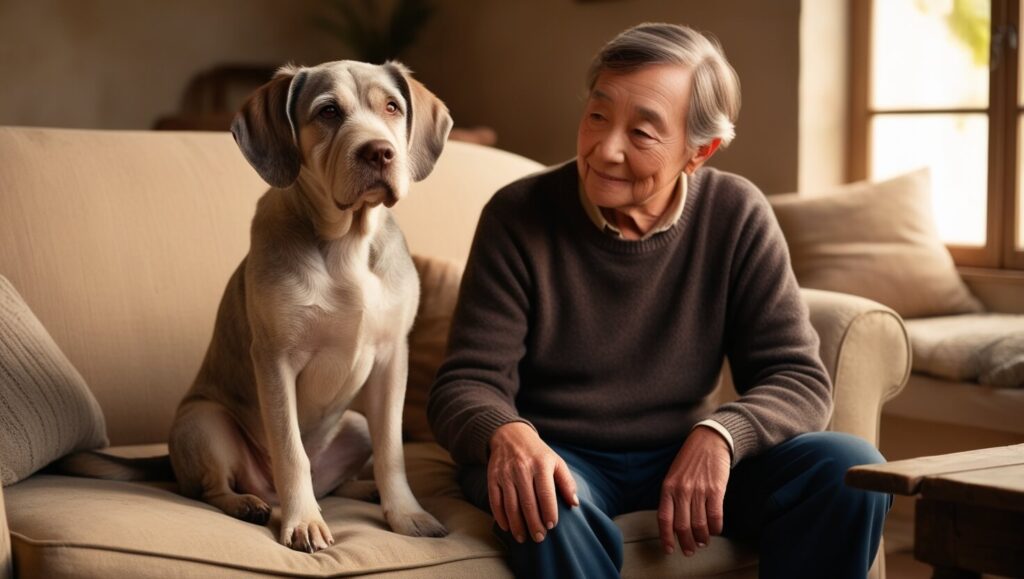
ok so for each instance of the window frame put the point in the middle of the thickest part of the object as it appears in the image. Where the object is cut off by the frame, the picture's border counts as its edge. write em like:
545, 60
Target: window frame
999, 251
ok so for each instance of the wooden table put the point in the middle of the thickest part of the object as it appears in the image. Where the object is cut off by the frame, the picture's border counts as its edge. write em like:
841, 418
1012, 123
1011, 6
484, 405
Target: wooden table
970, 510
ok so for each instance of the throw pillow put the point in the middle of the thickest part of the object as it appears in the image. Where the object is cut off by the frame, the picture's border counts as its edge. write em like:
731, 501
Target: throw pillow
46, 409
428, 341
875, 240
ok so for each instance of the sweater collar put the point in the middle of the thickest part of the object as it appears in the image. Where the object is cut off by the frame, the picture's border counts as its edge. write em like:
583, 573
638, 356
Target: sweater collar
669, 218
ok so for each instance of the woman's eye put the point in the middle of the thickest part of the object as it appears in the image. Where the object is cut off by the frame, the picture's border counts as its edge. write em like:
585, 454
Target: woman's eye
641, 134
596, 117
392, 107
329, 112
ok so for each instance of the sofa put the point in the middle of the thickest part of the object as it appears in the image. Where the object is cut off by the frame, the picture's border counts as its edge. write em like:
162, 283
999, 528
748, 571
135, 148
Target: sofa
121, 244
981, 415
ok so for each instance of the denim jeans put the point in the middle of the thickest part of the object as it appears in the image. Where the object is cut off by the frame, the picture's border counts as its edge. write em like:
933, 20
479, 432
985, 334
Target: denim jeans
790, 501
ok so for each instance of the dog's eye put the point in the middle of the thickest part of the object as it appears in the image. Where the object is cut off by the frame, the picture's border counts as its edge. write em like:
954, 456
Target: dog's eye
392, 107
329, 112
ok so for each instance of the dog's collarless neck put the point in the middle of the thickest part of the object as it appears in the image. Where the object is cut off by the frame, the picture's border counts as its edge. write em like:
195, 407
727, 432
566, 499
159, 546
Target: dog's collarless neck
328, 223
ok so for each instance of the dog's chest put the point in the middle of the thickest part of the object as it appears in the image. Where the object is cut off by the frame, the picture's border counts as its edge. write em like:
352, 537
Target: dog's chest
348, 305
352, 317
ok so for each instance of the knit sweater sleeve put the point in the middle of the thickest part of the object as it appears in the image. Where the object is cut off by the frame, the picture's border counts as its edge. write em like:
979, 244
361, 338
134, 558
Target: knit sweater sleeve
475, 388
770, 343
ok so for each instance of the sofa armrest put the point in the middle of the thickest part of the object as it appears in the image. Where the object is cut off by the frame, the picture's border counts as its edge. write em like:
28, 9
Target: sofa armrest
6, 561
866, 350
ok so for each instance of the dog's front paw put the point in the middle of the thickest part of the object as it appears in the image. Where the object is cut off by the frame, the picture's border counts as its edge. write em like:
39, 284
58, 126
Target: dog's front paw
415, 523
306, 532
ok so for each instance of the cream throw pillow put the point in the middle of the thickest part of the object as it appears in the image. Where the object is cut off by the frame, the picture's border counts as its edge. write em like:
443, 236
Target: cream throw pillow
428, 341
875, 240
46, 410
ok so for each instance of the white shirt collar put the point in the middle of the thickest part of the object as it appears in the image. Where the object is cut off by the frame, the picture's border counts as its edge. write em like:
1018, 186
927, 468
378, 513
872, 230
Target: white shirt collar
669, 218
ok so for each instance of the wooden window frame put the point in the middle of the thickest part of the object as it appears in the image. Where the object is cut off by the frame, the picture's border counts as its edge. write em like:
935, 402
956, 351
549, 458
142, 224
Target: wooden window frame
1000, 251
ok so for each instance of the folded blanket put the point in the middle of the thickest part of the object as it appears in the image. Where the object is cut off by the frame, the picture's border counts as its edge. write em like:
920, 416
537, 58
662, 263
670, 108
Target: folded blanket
983, 348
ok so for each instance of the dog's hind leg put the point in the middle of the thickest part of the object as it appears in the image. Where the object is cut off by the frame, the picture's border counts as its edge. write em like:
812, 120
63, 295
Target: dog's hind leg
212, 462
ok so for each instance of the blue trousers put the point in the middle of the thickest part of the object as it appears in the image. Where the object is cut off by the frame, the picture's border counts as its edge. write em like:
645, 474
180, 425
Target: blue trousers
790, 501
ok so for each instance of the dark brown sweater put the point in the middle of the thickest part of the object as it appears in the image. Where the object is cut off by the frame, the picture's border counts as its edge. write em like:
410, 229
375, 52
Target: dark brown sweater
615, 344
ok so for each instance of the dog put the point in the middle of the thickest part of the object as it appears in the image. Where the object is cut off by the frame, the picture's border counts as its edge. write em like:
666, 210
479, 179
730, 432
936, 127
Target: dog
305, 375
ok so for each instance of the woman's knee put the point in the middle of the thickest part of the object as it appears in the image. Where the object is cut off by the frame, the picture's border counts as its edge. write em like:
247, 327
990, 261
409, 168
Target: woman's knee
585, 519
840, 451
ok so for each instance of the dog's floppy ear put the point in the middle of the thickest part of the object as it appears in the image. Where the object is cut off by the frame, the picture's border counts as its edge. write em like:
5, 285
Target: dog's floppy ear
266, 130
427, 121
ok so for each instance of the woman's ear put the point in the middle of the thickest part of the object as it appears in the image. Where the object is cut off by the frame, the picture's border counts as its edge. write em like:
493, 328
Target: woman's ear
703, 153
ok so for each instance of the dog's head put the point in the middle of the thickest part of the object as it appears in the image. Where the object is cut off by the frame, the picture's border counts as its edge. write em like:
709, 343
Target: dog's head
361, 132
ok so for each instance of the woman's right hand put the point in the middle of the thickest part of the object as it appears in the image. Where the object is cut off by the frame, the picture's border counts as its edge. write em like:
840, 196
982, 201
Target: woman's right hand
522, 476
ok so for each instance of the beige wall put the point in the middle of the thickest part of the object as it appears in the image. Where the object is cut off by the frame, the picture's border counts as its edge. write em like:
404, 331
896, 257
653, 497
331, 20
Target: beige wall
120, 64
516, 66
519, 67
824, 93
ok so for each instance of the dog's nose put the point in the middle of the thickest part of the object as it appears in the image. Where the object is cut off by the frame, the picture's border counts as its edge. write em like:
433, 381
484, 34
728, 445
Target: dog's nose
377, 153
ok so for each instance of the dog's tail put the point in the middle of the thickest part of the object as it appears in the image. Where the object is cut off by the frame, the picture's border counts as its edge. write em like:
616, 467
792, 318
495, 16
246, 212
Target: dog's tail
93, 464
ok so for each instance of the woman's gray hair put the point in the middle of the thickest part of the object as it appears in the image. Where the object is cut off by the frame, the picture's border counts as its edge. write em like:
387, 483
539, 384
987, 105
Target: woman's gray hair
714, 91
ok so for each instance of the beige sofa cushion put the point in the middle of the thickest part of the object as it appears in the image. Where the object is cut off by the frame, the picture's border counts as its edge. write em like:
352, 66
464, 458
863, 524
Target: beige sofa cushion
63, 527
439, 290
983, 348
937, 400
122, 243
46, 410
875, 240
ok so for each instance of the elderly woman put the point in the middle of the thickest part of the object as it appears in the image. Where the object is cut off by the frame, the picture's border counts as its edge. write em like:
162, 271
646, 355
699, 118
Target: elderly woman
598, 303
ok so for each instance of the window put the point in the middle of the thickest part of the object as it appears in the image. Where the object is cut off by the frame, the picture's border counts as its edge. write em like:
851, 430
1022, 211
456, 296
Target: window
935, 83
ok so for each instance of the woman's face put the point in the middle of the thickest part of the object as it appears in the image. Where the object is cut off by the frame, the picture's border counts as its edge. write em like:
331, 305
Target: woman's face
631, 145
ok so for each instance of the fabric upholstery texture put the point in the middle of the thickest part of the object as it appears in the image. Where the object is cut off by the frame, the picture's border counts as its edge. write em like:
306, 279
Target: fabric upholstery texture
439, 216
46, 409
875, 240
939, 400
75, 527
439, 290
130, 238
6, 558
983, 348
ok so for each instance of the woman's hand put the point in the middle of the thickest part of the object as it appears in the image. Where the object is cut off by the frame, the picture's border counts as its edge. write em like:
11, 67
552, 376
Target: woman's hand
693, 492
522, 475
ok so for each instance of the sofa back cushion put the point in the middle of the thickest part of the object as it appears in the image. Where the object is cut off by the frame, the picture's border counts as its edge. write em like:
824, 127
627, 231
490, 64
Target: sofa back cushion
121, 242
428, 341
439, 216
46, 410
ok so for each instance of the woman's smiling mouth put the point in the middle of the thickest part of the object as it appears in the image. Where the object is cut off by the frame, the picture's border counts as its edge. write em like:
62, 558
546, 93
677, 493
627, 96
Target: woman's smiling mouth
607, 177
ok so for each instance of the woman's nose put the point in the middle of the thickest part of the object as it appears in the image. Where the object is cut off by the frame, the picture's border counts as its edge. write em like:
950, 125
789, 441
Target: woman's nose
611, 147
